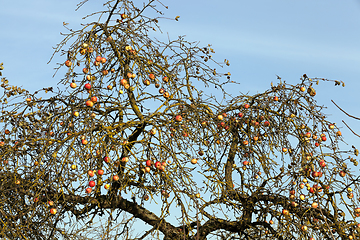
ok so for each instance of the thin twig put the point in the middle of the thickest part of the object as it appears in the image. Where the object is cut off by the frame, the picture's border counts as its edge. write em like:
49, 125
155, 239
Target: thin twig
350, 129
345, 112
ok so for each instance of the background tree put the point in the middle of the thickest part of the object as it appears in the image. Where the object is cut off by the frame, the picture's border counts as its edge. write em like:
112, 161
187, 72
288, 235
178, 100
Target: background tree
132, 133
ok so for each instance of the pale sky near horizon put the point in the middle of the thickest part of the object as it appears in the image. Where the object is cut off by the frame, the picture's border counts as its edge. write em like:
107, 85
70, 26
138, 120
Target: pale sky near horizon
261, 38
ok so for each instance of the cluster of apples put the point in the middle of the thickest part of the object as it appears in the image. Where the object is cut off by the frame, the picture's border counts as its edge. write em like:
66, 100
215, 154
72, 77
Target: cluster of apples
51, 204
178, 119
158, 165
92, 183
237, 122
162, 91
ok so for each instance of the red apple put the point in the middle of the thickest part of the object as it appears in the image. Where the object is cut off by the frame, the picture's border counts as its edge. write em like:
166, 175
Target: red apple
266, 123
93, 99
148, 163
88, 190
194, 161
107, 186
91, 173
85, 70
115, 177
53, 211
165, 79
151, 76
73, 85
276, 98
123, 82
91, 184
157, 165
285, 212
314, 205
89, 103
342, 173
98, 58
315, 174
68, 63
245, 163
322, 163
178, 118
103, 60
106, 159
100, 172
87, 86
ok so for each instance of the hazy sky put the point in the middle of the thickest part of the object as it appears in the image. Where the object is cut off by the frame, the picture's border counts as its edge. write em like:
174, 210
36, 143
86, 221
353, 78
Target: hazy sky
261, 38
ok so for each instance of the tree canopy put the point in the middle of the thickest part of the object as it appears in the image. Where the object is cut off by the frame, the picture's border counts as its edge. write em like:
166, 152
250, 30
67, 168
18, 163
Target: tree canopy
141, 132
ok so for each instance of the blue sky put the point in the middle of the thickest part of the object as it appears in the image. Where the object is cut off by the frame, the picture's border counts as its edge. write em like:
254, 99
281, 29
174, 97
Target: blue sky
261, 39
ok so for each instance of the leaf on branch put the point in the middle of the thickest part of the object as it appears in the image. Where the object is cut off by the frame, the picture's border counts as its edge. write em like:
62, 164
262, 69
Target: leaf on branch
177, 18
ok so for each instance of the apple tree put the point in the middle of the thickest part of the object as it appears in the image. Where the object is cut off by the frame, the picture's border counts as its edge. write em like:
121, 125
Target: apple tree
141, 140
